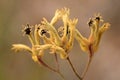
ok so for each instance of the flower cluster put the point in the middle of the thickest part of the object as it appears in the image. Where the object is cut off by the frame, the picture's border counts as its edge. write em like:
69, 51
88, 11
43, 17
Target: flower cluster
91, 44
51, 39
45, 36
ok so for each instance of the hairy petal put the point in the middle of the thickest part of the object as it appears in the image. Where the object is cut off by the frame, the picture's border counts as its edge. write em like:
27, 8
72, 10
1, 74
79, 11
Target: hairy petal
102, 29
84, 43
20, 47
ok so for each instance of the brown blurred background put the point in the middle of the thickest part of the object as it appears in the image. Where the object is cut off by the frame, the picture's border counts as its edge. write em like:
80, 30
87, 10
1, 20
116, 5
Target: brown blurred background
14, 13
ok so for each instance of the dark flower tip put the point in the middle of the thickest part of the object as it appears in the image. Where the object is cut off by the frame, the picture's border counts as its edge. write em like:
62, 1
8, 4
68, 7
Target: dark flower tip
97, 18
27, 29
43, 31
90, 22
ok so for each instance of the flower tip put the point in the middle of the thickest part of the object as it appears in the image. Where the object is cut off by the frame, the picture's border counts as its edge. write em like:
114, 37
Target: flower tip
107, 26
15, 47
98, 17
90, 22
27, 29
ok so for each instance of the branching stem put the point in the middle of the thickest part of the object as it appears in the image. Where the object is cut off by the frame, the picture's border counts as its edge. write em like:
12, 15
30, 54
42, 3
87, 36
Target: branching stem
47, 66
68, 59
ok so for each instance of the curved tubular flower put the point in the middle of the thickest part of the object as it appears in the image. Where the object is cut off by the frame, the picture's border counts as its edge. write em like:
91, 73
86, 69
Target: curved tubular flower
53, 31
20, 47
102, 29
95, 34
65, 17
91, 44
82, 41
59, 15
36, 34
72, 26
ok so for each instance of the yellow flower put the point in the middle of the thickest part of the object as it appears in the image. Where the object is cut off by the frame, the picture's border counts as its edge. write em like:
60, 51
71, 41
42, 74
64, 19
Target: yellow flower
92, 43
46, 37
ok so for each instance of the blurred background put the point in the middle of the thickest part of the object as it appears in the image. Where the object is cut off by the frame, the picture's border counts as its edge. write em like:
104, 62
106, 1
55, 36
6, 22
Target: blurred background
20, 66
